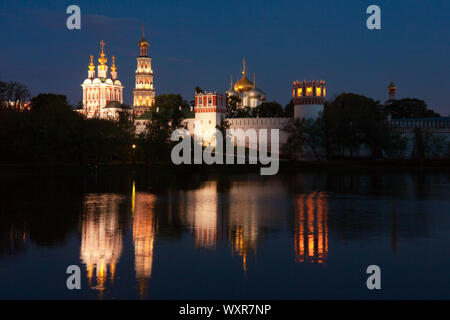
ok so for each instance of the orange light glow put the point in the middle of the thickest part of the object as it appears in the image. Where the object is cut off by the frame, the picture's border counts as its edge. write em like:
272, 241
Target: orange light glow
311, 235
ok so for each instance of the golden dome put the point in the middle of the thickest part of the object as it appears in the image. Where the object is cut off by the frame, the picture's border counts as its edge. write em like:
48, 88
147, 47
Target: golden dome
91, 65
392, 86
243, 84
102, 60
113, 67
143, 43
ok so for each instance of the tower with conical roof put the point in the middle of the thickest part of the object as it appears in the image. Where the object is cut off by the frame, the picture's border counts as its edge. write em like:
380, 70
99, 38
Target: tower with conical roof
144, 92
392, 90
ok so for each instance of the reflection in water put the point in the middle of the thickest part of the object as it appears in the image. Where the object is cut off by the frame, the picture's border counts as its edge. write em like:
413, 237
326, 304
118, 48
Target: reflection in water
244, 239
245, 218
13, 238
144, 229
311, 228
101, 237
202, 207
367, 216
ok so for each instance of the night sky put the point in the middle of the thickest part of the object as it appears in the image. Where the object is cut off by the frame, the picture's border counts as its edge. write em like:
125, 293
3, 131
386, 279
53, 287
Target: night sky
202, 42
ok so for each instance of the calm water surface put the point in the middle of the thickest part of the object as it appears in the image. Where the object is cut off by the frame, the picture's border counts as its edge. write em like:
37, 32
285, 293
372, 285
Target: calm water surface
227, 236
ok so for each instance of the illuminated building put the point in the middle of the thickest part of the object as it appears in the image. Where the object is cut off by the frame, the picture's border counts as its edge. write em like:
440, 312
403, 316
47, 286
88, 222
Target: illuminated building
246, 90
101, 238
311, 228
102, 95
18, 105
392, 90
144, 230
210, 109
144, 93
308, 98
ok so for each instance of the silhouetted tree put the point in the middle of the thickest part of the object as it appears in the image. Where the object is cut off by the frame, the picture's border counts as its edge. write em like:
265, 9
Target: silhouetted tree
268, 110
198, 90
289, 109
409, 108
13, 94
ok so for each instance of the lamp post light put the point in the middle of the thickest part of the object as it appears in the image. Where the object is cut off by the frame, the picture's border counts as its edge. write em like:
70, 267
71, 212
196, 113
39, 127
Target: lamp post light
133, 147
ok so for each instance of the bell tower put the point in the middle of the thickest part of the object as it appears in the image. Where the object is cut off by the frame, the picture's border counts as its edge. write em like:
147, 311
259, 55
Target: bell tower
144, 92
392, 90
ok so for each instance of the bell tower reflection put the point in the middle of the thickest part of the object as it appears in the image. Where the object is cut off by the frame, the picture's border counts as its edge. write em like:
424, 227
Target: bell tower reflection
311, 228
244, 241
101, 238
144, 229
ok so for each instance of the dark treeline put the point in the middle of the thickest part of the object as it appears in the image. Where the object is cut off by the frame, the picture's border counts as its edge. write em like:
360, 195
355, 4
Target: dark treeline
351, 122
51, 132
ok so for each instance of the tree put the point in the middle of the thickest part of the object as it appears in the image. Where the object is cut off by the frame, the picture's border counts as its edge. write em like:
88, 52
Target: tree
52, 132
409, 108
233, 103
394, 145
289, 109
154, 143
305, 133
268, 110
198, 90
429, 145
352, 120
13, 94
47, 102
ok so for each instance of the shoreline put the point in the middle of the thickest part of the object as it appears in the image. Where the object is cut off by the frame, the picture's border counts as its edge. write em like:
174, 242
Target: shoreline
285, 166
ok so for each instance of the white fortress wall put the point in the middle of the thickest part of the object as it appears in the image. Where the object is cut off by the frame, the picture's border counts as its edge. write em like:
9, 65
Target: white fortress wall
262, 123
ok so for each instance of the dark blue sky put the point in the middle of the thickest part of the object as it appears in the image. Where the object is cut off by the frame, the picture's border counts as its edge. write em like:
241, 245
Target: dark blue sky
203, 42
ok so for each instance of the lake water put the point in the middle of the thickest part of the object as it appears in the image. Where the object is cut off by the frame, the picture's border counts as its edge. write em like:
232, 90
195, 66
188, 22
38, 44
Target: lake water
157, 235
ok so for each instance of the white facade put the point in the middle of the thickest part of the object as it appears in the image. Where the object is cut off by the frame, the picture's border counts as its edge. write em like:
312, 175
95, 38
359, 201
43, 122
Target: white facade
102, 95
